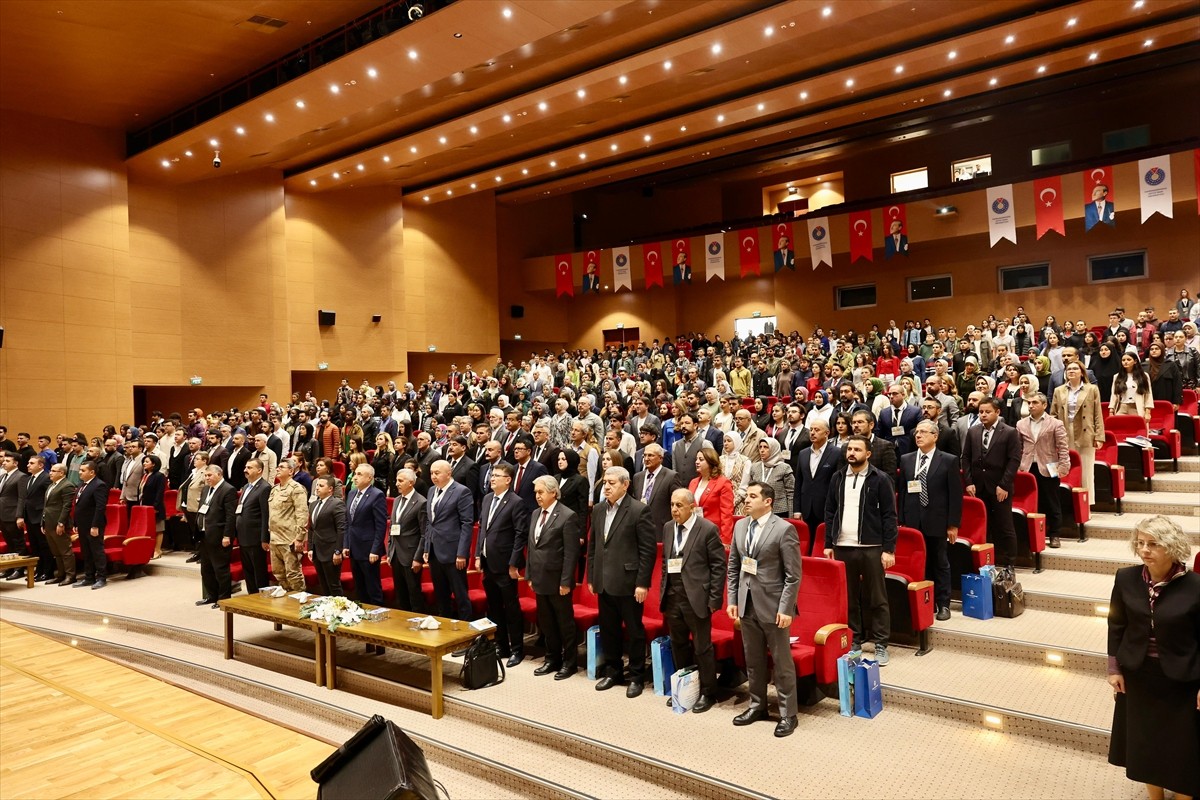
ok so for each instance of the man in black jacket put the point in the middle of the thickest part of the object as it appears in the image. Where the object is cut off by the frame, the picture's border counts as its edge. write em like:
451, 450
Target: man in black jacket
861, 531
90, 516
816, 465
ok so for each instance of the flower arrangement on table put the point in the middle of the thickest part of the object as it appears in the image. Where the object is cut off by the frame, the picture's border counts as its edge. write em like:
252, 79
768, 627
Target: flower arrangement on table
334, 611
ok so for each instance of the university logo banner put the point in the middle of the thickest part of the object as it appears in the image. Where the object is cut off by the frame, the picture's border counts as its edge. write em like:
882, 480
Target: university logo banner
564, 283
621, 273
818, 242
1002, 217
1047, 199
1156, 186
748, 257
714, 256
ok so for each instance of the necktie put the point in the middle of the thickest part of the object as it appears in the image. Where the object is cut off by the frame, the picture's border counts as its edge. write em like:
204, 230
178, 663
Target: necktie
400, 508
520, 474
678, 540
492, 512
987, 438
437, 494
317, 510
541, 522
354, 506
649, 487
750, 536
922, 473
3, 480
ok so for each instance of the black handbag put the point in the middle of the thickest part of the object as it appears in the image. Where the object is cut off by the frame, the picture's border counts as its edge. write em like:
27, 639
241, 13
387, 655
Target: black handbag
482, 665
1008, 598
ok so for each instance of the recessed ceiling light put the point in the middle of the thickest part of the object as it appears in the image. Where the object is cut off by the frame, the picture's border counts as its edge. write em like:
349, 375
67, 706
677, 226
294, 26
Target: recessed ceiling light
333, 87
761, 106
1041, 68
716, 49
387, 159
946, 93
804, 95
581, 93
524, 171
768, 31
953, 54
371, 73
457, 35
507, 118
542, 106
646, 138
425, 198
213, 143
441, 140
313, 182
412, 54
993, 81
507, 13
666, 65
554, 163
826, 11
683, 128
1093, 56
299, 104
849, 82
899, 68
474, 130
1139, 3
1071, 22
449, 192
1147, 43
720, 117
166, 163
187, 153
582, 156
497, 179
269, 117
472, 186
337, 175
613, 147
413, 149
240, 131
361, 168
1009, 39
622, 80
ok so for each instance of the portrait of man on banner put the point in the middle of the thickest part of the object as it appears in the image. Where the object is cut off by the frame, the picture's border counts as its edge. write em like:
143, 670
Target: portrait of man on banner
683, 269
785, 256
591, 276
896, 241
1099, 209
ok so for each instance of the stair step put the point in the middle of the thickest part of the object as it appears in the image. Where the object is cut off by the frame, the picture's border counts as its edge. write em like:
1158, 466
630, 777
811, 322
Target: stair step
1079, 642
1067, 592
1167, 481
1173, 503
1103, 556
1107, 525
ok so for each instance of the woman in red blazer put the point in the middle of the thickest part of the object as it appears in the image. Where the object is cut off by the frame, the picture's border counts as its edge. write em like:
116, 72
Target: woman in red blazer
713, 493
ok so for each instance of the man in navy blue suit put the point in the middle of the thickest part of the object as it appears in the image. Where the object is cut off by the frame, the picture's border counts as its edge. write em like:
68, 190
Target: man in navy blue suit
898, 421
525, 469
90, 516
446, 547
1100, 209
503, 529
366, 519
896, 241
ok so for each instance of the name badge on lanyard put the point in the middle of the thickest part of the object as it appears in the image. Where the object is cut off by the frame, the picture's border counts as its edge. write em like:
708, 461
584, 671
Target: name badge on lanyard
674, 566
914, 487
750, 565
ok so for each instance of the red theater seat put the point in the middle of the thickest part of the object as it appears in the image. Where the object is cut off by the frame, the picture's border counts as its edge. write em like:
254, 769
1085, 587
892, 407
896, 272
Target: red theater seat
1138, 461
116, 519
652, 617
1027, 519
171, 502
822, 635
339, 471
910, 596
1168, 443
528, 600
585, 609
1074, 501
971, 550
802, 532
1108, 477
1187, 421
114, 496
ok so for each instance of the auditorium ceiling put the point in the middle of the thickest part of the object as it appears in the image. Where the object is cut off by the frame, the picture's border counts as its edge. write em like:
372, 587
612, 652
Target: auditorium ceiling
532, 97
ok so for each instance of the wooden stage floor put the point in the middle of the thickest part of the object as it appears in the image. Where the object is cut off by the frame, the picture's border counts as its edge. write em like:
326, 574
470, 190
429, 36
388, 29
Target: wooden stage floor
76, 725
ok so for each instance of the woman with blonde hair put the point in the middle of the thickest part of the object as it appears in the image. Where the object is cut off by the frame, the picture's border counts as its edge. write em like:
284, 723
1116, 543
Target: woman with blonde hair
1077, 405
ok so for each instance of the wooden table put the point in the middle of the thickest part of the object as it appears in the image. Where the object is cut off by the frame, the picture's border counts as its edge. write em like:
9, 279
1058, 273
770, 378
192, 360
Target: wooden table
27, 563
279, 611
395, 631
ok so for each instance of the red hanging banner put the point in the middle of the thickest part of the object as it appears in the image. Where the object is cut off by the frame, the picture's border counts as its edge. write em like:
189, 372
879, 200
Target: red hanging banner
652, 264
564, 281
1048, 200
748, 255
895, 223
1098, 198
861, 244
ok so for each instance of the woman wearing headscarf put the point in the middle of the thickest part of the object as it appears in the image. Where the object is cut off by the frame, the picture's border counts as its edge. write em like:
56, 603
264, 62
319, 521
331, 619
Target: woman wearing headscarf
821, 409
306, 444
774, 471
151, 493
572, 486
1105, 366
1165, 382
736, 467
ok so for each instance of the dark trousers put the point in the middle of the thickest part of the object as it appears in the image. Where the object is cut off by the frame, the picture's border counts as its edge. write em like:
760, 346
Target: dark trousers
504, 608
691, 636
214, 568
759, 638
14, 538
617, 610
937, 569
329, 578
40, 548
1048, 502
812, 523
193, 524
95, 565
556, 620
999, 524
254, 567
450, 590
366, 581
869, 616
408, 586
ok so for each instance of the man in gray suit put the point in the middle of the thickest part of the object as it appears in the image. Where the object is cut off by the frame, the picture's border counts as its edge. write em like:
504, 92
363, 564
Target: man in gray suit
693, 580
764, 581
131, 473
683, 452
621, 554
406, 528
327, 536
655, 485
56, 522
553, 553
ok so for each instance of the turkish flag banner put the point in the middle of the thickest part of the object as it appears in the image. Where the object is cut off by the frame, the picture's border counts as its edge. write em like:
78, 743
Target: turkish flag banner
1047, 199
1099, 201
564, 282
861, 245
748, 256
652, 264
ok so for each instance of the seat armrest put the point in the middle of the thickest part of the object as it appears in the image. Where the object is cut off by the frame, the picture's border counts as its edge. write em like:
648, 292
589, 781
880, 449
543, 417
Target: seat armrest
831, 642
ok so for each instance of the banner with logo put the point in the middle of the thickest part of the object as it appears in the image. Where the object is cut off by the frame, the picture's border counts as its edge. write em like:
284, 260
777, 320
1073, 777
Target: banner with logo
895, 228
1098, 200
564, 282
1156, 186
818, 242
781, 244
621, 273
748, 257
714, 256
1002, 217
861, 243
652, 264
591, 271
1047, 199
681, 261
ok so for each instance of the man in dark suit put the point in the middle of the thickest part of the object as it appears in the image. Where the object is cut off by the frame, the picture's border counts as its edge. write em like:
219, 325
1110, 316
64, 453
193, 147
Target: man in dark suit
990, 456
327, 536
235, 467
896, 241
366, 521
1100, 209
931, 501
543, 453
11, 479
693, 583
503, 526
108, 469
655, 485
446, 547
764, 581
91, 502
883, 452
218, 456
31, 504
683, 452
647, 435
406, 529
462, 467
621, 554
898, 421
525, 471
554, 533
793, 437
253, 531
817, 463
218, 507
56, 523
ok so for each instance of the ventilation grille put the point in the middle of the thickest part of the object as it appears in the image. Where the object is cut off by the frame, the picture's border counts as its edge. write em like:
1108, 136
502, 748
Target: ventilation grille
263, 24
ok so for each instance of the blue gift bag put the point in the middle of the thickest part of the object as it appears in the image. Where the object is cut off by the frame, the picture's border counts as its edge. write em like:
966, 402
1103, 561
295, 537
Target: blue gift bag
868, 693
977, 596
846, 666
663, 662
594, 656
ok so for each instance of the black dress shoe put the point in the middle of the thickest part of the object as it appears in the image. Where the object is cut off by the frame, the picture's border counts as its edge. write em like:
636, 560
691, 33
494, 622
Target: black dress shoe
1083, 537
749, 716
565, 672
635, 689
786, 727
100, 584
943, 613
7, 573
193, 559
515, 659
51, 579
1054, 543
546, 668
704, 703
17, 574
606, 683
82, 582
205, 602
68, 581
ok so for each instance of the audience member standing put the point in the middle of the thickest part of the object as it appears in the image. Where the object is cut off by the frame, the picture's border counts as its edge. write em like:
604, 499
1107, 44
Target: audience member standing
931, 496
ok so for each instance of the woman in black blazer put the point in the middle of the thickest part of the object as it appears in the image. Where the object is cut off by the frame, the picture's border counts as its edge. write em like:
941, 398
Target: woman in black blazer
1154, 663
151, 493
572, 487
